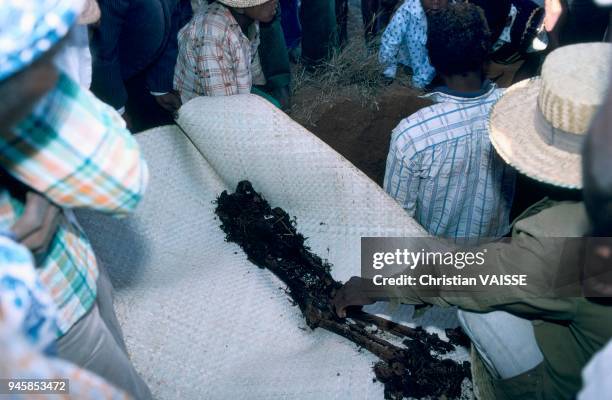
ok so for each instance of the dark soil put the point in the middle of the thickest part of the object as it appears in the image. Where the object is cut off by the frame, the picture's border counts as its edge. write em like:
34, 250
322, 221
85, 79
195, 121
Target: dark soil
269, 238
362, 133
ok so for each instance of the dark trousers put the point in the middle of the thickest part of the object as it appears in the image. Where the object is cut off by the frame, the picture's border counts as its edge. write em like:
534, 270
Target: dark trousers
585, 22
290, 21
319, 33
376, 15
273, 54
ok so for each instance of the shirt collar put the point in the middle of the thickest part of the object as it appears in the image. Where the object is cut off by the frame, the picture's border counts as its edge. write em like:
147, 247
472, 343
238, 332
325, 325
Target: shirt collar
444, 93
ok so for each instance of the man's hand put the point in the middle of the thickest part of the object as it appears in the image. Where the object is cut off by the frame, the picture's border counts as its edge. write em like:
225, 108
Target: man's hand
170, 102
355, 292
553, 11
38, 224
128, 121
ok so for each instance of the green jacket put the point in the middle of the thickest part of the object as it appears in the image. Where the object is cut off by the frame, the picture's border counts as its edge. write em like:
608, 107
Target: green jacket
568, 330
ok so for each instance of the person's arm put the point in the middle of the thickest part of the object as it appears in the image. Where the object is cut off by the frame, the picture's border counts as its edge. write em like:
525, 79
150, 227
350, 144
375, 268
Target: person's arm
392, 38
403, 175
107, 81
75, 150
524, 255
160, 74
422, 70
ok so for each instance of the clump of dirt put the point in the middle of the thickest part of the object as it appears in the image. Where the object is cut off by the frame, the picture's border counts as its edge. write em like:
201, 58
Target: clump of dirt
270, 239
362, 132
458, 338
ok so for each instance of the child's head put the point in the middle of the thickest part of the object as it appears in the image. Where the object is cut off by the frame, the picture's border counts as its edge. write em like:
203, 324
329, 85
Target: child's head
434, 4
458, 39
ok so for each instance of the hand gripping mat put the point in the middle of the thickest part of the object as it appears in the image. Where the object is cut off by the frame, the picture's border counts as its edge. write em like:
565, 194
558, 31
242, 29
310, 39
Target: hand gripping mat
202, 322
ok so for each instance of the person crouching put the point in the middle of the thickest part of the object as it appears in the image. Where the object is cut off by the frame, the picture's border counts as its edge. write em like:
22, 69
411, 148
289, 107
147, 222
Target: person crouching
218, 50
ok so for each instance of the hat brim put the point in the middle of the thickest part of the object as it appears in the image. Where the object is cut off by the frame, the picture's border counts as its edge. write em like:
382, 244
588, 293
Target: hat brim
512, 130
242, 3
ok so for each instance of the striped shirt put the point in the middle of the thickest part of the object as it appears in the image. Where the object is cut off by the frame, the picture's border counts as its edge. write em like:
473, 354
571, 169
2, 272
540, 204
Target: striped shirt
215, 57
76, 151
444, 171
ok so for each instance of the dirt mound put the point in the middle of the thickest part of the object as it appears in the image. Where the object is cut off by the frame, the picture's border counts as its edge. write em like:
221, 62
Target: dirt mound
361, 133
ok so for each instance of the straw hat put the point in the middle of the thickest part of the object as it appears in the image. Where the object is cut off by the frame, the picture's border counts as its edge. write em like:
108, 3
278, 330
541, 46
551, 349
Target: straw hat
539, 125
242, 3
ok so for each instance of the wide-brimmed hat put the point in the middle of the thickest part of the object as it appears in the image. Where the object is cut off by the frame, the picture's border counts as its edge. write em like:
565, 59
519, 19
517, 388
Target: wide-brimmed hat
29, 28
539, 125
242, 3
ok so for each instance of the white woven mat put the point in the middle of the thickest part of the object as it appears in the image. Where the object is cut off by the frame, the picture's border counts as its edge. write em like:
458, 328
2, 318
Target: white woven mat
201, 322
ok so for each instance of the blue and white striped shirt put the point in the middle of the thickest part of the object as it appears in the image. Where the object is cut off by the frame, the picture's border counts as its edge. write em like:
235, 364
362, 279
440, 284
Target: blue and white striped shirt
444, 171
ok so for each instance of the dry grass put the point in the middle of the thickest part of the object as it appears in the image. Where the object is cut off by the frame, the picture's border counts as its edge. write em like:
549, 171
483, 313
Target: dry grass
353, 72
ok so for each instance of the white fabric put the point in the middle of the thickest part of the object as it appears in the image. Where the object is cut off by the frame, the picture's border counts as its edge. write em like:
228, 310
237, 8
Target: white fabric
74, 59
507, 344
596, 376
201, 321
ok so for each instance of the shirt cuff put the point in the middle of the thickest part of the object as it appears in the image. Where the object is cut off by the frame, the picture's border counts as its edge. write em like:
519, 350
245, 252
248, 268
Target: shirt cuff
156, 94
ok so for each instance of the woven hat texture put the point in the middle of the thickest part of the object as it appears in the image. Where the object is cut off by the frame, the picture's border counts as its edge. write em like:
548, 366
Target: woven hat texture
29, 28
242, 3
200, 320
538, 125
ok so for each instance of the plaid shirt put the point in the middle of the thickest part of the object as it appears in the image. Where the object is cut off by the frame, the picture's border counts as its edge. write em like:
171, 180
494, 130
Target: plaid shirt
444, 171
215, 57
75, 150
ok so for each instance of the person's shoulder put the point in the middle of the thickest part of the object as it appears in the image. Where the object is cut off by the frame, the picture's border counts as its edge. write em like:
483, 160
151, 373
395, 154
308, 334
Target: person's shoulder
411, 130
411, 8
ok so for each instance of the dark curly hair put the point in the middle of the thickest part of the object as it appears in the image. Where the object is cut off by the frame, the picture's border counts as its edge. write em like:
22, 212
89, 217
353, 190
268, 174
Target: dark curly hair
458, 39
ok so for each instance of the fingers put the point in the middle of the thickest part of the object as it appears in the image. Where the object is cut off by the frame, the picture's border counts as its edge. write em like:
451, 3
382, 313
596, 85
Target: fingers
37, 226
38, 241
169, 102
33, 215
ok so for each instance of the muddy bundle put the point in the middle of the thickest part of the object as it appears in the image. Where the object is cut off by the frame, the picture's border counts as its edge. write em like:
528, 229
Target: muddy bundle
412, 367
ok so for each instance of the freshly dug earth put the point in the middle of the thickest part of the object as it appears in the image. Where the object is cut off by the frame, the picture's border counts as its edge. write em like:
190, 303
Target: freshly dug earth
269, 238
361, 132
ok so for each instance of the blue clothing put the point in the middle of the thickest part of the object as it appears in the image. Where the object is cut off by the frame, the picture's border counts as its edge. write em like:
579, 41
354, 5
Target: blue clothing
444, 171
405, 42
28, 29
136, 36
290, 22
26, 308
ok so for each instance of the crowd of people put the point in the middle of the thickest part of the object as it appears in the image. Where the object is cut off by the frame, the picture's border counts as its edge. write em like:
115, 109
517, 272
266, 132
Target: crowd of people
79, 77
